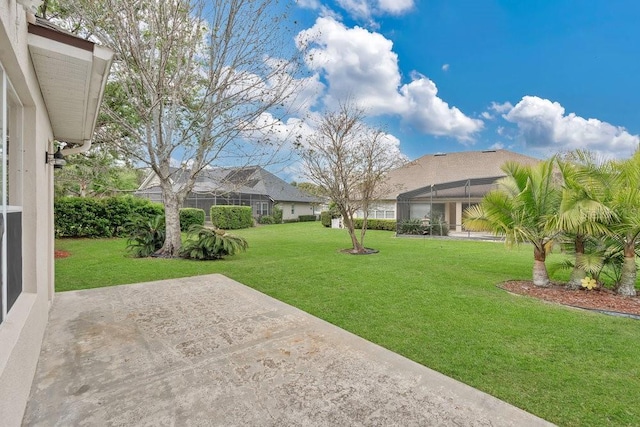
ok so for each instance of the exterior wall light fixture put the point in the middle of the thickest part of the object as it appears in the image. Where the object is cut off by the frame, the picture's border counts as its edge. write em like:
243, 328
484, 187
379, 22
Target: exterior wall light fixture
56, 159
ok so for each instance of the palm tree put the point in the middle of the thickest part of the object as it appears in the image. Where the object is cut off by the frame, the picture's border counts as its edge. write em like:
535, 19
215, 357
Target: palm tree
522, 208
584, 212
626, 228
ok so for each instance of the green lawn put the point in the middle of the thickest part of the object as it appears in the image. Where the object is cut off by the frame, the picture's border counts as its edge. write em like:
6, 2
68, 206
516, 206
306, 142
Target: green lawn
433, 301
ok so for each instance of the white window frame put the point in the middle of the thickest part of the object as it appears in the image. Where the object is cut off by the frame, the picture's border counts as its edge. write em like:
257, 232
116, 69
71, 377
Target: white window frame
14, 122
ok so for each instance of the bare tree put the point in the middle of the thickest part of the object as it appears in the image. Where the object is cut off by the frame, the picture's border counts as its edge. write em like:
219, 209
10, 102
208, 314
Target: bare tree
193, 81
349, 160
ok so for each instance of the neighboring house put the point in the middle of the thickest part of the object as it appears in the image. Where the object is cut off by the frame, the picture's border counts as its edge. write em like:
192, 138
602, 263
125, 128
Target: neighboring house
440, 186
246, 186
51, 86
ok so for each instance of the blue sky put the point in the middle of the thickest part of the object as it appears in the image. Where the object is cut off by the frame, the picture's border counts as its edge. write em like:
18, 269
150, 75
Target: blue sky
534, 77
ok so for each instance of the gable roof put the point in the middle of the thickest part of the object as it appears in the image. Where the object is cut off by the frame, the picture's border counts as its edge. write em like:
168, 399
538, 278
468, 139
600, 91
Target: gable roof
433, 169
247, 180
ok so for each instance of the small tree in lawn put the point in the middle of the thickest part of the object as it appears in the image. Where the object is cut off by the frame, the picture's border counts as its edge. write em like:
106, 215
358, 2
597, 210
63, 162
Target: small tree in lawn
192, 79
348, 160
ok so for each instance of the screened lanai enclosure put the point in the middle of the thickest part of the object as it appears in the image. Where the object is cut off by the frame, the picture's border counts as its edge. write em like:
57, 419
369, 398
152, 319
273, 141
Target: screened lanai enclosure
203, 197
436, 209
247, 186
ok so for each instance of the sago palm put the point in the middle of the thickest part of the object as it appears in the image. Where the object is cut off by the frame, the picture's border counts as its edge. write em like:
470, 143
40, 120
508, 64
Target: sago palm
205, 243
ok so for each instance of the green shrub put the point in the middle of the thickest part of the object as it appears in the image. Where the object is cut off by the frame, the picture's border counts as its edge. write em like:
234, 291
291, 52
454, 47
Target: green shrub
80, 217
290, 220
438, 228
267, 219
146, 235
189, 217
231, 217
277, 215
416, 227
376, 224
307, 218
411, 226
325, 218
89, 217
207, 244
119, 210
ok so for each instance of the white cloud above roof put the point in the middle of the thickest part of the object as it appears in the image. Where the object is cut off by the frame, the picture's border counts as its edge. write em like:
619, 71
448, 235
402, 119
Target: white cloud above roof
395, 7
543, 124
362, 65
366, 9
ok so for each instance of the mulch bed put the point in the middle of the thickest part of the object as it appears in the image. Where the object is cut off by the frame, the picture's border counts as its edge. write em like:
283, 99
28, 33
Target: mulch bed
596, 299
61, 254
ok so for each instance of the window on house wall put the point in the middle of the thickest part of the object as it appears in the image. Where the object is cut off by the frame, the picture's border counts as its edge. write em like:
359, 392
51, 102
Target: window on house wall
262, 208
11, 123
293, 209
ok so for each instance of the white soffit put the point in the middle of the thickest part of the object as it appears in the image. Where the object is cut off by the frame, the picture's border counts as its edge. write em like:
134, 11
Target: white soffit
72, 74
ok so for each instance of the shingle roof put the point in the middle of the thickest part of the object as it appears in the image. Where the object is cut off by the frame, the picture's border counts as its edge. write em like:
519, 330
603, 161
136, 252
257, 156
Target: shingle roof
247, 180
449, 167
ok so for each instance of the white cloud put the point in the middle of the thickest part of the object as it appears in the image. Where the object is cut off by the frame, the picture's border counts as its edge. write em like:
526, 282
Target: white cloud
395, 7
501, 108
445, 67
543, 124
496, 146
279, 131
363, 9
360, 64
430, 114
309, 4
357, 8
486, 115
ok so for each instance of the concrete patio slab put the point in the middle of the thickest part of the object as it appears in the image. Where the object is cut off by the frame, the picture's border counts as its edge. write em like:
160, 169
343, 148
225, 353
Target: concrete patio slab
210, 351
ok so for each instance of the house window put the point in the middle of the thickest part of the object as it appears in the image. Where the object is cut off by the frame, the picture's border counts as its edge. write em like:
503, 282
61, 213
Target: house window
262, 208
11, 124
293, 209
433, 211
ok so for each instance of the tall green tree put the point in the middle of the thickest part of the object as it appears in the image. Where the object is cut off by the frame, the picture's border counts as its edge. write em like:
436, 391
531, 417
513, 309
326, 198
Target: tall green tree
194, 83
521, 208
96, 174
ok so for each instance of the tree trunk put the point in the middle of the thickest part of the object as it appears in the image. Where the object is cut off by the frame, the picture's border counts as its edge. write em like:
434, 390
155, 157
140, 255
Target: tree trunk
363, 231
348, 223
627, 285
578, 273
540, 274
173, 238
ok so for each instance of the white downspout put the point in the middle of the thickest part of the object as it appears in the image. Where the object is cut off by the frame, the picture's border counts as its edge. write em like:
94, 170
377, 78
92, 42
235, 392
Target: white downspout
78, 149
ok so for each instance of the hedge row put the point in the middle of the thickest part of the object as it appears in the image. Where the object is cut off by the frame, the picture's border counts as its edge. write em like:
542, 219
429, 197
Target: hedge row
87, 217
307, 218
189, 217
372, 224
376, 224
231, 217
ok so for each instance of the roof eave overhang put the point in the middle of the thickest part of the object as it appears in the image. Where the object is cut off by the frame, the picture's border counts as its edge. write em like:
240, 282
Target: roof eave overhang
72, 74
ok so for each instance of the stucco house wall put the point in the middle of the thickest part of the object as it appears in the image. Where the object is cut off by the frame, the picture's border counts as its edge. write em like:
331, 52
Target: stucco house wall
292, 210
22, 331
26, 121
